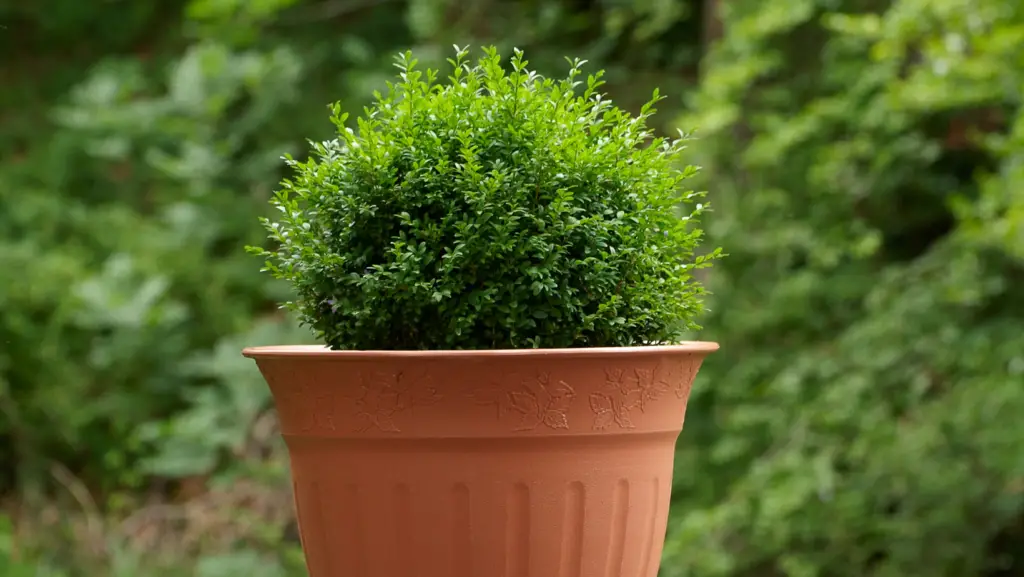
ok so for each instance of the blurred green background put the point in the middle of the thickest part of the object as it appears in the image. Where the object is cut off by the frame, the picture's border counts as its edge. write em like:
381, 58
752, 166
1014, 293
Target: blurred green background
865, 159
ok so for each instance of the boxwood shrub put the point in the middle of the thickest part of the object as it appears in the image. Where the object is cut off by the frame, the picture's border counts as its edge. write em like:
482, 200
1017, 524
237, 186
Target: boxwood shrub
499, 209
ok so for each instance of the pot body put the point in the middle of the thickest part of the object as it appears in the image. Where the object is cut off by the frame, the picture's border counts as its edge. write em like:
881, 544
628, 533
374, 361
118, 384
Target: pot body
542, 463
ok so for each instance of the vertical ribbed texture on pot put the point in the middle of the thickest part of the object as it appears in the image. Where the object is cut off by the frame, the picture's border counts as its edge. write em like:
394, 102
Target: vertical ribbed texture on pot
482, 466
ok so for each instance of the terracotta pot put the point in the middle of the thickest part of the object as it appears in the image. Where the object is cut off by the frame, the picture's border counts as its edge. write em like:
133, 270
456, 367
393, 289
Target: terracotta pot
512, 463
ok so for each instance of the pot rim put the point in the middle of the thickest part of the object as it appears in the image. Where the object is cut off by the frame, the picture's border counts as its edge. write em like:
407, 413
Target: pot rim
321, 351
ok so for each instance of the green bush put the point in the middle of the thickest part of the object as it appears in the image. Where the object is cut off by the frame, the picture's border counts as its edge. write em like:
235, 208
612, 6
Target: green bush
500, 210
863, 416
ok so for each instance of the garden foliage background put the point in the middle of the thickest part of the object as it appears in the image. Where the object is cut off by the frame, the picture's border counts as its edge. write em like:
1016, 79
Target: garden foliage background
865, 159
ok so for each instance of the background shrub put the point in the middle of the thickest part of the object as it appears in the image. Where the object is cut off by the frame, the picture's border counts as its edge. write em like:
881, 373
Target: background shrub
864, 160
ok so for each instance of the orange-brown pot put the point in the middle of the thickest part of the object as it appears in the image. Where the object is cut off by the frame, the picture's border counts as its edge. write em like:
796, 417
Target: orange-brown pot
512, 463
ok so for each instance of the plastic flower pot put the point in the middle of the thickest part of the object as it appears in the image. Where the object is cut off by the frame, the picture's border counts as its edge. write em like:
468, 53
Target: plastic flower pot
514, 463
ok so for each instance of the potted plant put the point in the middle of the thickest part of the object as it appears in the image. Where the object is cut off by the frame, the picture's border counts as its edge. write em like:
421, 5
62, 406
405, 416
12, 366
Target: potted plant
501, 273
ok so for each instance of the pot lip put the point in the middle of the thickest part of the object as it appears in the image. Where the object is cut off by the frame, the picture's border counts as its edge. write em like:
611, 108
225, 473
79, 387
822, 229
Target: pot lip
322, 352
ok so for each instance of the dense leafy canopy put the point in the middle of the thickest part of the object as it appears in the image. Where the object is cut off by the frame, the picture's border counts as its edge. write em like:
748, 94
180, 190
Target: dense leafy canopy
499, 210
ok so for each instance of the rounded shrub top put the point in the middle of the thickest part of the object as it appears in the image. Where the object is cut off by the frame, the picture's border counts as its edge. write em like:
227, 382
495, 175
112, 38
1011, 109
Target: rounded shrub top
501, 209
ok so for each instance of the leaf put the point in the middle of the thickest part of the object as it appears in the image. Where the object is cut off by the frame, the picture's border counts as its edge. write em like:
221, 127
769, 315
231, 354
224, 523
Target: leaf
560, 389
603, 420
556, 419
622, 418
529, 421
644, 377
524, 402
616, 379
364, 422
388, 400
633, 399
561, 396
613, 377
688, 372
386, 424
600, 403
683, 390
656, 390
188, 86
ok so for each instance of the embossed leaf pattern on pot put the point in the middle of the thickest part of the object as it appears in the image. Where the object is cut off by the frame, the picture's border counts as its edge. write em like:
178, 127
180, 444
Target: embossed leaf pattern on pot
537, 401
383, 396
560, 396
649, 386
687, 372
607, 411
542, 401
626, 392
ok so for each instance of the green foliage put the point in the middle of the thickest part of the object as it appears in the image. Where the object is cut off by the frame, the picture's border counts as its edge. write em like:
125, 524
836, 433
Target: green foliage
500, 210
131, 162
865, 162
862, 418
